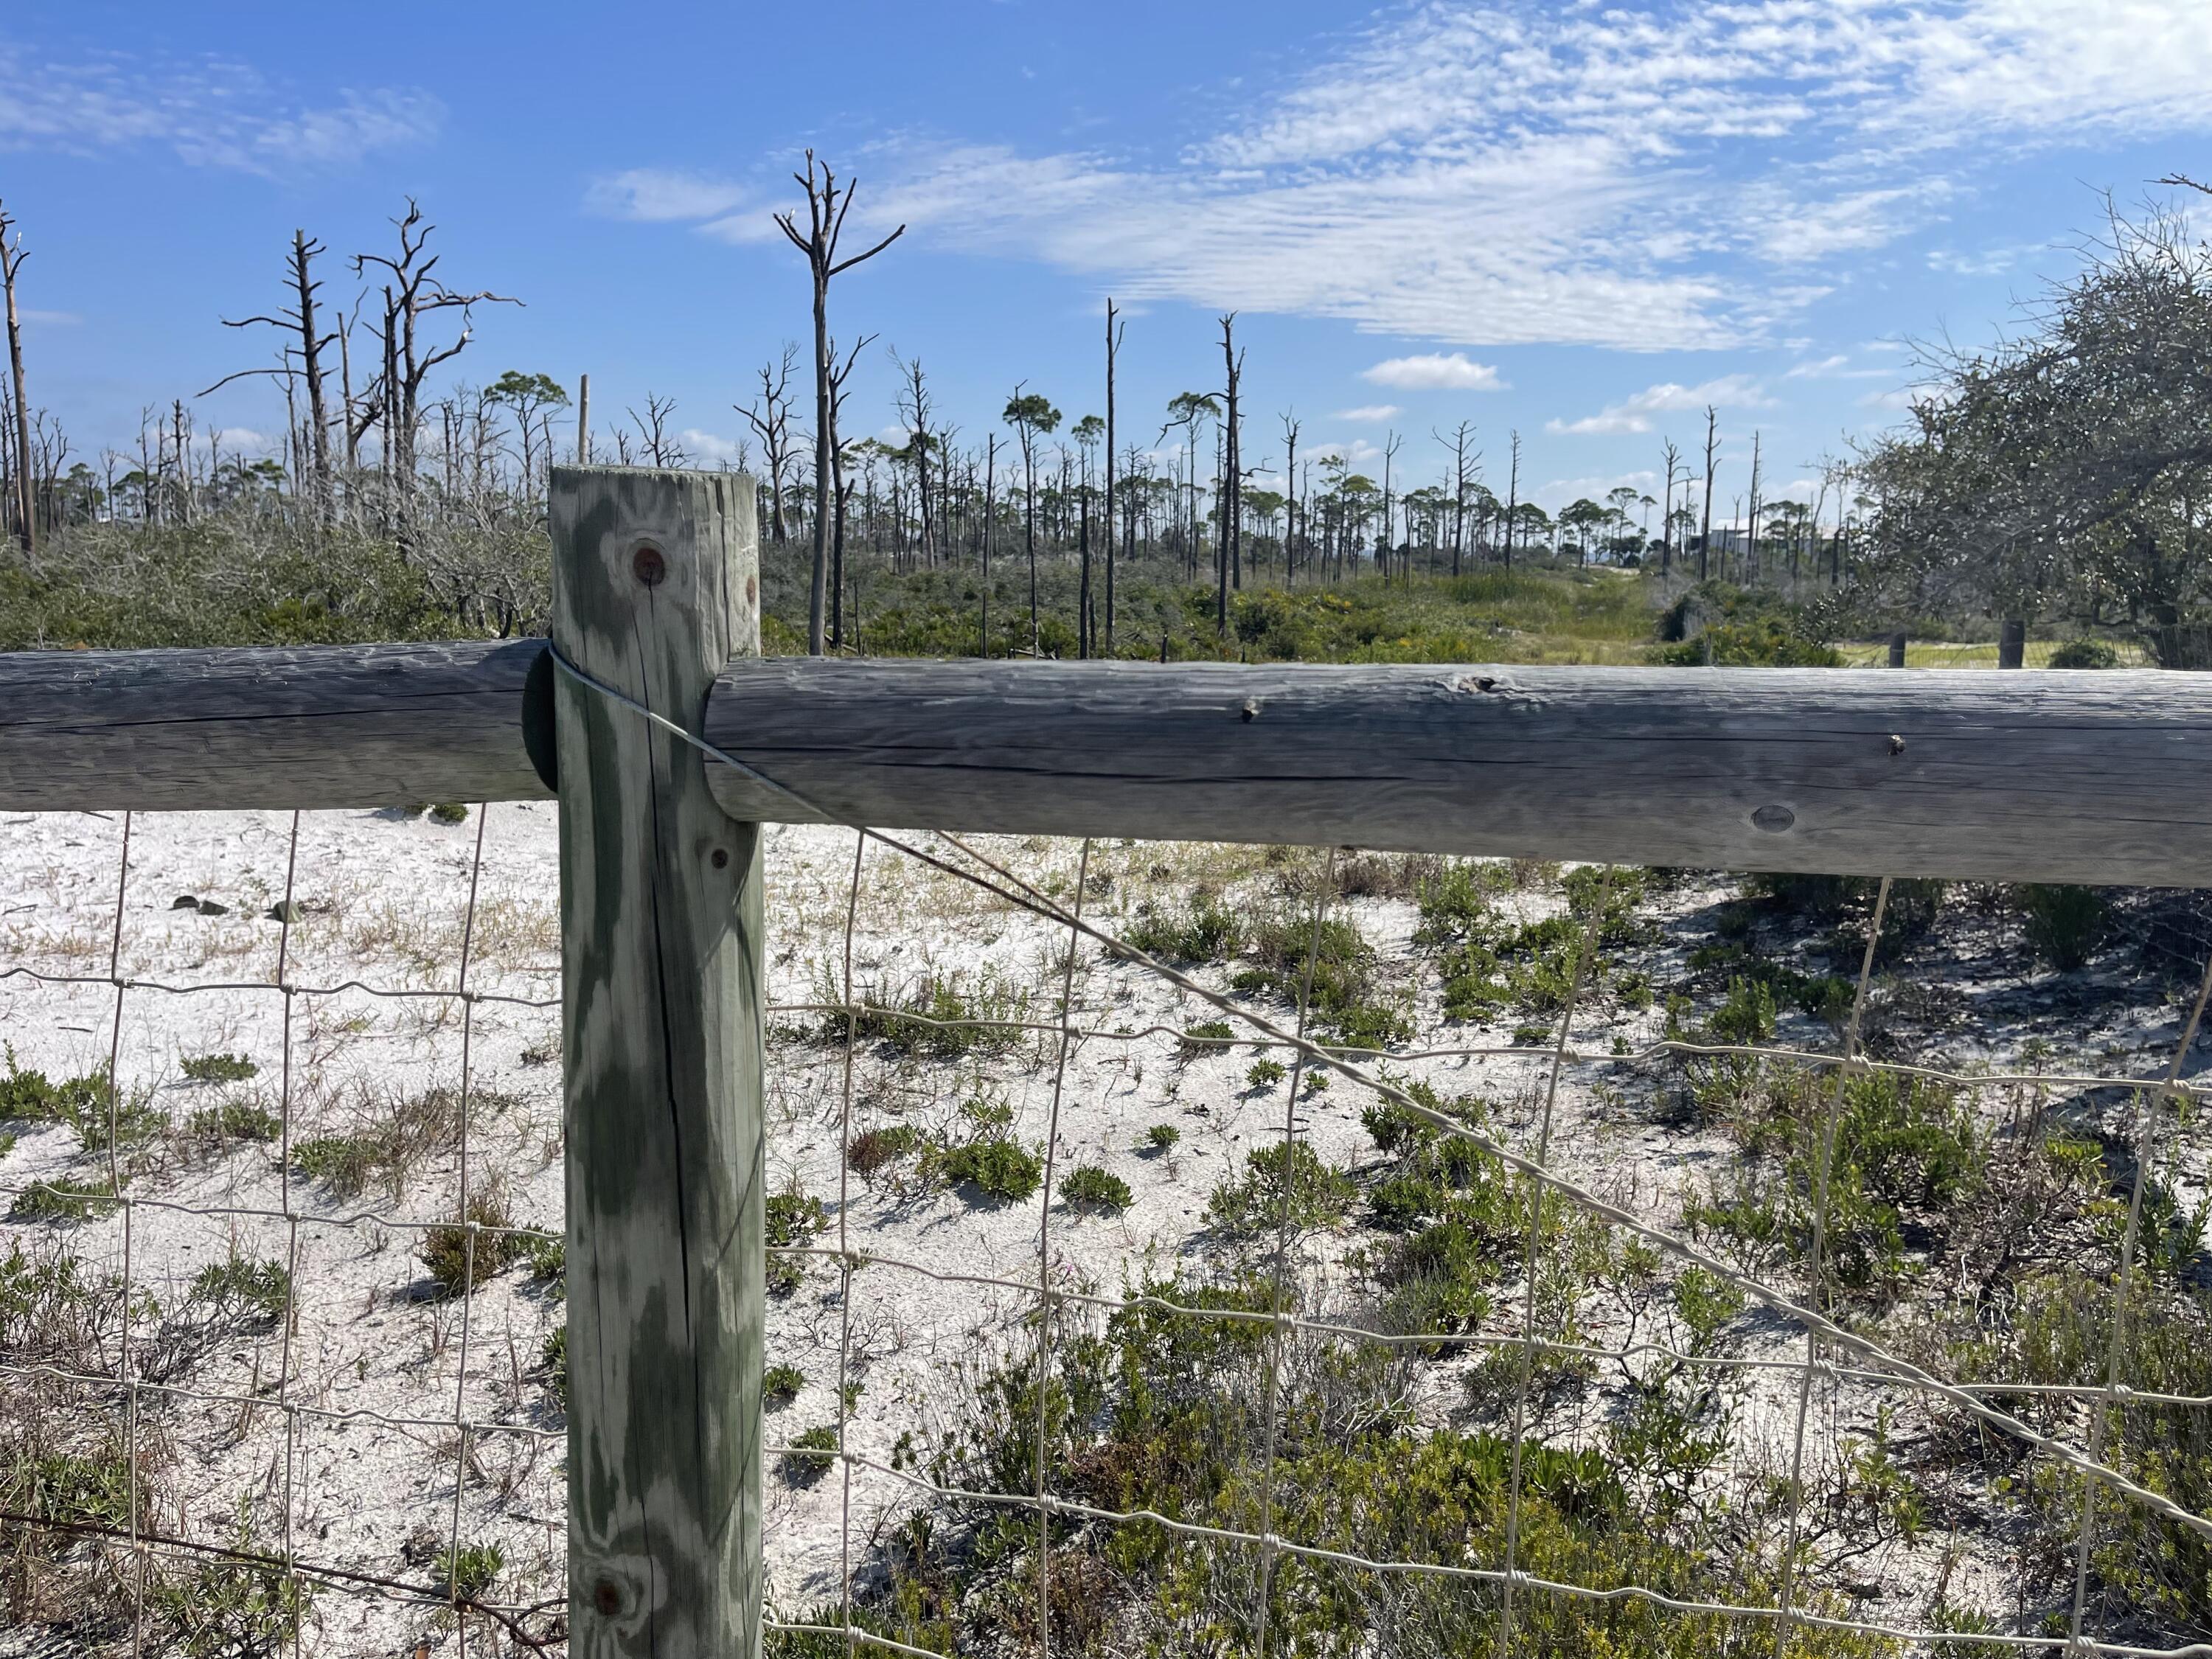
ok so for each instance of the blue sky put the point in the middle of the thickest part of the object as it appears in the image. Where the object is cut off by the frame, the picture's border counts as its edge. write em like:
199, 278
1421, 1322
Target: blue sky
1582, 222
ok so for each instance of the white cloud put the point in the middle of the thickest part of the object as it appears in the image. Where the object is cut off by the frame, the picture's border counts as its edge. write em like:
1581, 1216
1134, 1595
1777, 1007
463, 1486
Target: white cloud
1820, 370
712, 446
1434, 372
1984, 262
1634, 413
1366, 414
235, 440
209, 113
51, 319
1898, 400
650, 194
1524, 170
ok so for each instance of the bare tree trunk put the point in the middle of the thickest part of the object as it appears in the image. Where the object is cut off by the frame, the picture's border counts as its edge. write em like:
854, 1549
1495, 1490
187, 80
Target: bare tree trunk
1512, 500
11, 260
1229, 496
1291, 508
1705, 534
826, 207
1113, 344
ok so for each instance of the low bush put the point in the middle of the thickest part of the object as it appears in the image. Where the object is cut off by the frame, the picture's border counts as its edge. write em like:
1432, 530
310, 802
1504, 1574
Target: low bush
63, 1200
794, 1218
462, 1255
1161, 1138
812, 1455
1206, 930
874, 1151
232, 1120
1090, 1188
468, 1570
997, 1167
218, 1068
2063, 925
780, 1384
2084, 653
1319, 1194
1208, 1036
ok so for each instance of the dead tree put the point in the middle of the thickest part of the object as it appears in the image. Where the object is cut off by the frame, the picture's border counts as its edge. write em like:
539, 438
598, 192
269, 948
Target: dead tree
1229, 496
771, 418
1512, 500
1705, 534
1113, 346
1290, 490
1672, 457
11, 261
827, 204
913, 407
839, 489
1458, 440
302, 355
413, 294
653, 435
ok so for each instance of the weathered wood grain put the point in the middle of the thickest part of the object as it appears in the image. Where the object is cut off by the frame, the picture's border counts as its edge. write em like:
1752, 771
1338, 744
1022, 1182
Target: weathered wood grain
655, 586
311, 726
2033, 777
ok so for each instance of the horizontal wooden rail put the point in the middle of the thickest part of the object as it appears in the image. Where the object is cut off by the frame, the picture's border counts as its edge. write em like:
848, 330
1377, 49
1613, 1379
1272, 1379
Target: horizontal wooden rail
2050, 776
2030, 776
306, 726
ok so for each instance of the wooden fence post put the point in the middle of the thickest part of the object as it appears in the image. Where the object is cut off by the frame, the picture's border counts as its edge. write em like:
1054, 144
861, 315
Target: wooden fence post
655, 586
2012, 644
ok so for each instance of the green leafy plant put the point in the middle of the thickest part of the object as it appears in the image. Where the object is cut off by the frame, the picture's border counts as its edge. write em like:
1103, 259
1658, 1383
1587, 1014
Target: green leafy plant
1319, 1194
1161, 1138
469, 1569
63, 1200
874, 1151
2064, 925
232, 1120
1265, 1073
218, 1068
780, 1384
795, 1218
1088, 1187
1208, 1036
812, 1455
461, 1256
999, 1169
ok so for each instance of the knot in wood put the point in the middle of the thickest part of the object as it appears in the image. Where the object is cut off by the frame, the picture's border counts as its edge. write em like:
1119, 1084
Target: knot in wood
649, 566
1774, 818
1251, 709
606, 1596
1896, 743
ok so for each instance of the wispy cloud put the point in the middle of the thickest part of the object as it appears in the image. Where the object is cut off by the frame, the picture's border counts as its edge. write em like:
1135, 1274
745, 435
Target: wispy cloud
652, 194
1659, 174
208, 111
1435, 371
1634, 413
1366, 414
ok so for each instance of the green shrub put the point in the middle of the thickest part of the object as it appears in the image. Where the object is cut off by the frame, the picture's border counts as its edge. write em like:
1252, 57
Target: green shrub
63, 1200
1746, 1017
1088, 1187
1208, 1036
469, 1569
1347, 1001
548, 1262
1000, 1169
218, 1068
780, 1384
344, 1163
1319, 1194
448, 811
794, 1218
812, 1455
456, 1265
34, 1097
2085, 653
553, 1364
1162, 1138
232, 1120
1265, 1073
1903, 1145
1455, 904
1206, 931
240, 1288
2064, 925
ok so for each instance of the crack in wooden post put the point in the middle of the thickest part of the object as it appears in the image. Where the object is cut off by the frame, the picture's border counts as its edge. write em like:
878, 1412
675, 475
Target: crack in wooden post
655, 588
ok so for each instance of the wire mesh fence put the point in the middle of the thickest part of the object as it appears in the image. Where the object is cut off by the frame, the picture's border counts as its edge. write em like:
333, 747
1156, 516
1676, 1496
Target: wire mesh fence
1509, 1259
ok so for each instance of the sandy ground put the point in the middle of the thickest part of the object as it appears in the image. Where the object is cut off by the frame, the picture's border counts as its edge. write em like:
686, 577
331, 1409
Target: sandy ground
345, 1447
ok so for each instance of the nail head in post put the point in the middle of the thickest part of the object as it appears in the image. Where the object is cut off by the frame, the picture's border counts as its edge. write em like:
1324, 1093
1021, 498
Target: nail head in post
649, 565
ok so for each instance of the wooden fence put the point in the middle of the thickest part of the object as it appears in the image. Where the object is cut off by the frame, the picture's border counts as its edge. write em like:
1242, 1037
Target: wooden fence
2082, 777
